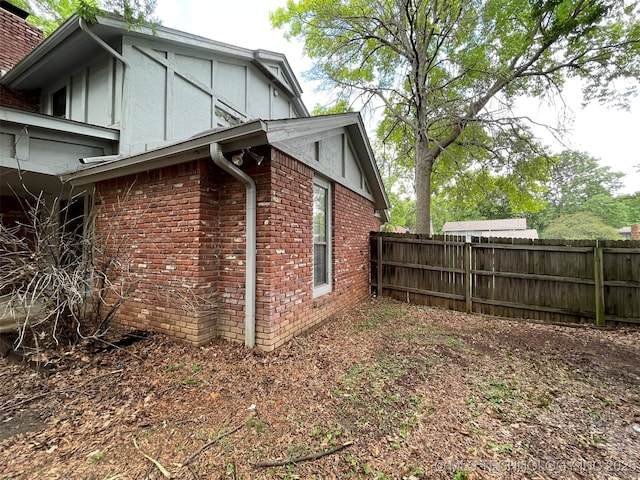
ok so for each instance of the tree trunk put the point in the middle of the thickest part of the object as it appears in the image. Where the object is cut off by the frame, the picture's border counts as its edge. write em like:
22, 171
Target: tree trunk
424, 166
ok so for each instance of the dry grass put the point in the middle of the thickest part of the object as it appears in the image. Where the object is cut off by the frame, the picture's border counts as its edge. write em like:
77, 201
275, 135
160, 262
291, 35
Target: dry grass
421, 393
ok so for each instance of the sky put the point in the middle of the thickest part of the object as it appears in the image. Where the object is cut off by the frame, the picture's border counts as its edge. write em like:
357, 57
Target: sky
611, 135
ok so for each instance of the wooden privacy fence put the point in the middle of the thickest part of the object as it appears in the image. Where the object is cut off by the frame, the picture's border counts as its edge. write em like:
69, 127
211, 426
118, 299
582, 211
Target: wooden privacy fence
549, 280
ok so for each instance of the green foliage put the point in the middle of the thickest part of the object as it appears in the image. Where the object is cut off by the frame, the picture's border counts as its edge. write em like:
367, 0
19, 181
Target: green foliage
402, 213
631, 205
577, 183
447, 73
49, 14
580, 226
568, 183
577, 177
611, 210
341, 106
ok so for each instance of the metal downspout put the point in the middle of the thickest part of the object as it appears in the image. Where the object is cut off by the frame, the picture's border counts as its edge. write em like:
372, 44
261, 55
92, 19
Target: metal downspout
250, 268
125, 69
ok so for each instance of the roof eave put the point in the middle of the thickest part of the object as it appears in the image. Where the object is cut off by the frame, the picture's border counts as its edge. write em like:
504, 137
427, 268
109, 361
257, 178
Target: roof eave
280, 130
231, 139
24, 66
33, 119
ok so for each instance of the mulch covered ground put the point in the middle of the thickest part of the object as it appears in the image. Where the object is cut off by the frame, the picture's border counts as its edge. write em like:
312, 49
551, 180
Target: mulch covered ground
388, 391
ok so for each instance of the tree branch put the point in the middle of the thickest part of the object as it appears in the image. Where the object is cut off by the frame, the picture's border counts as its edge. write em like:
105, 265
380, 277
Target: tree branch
305, 458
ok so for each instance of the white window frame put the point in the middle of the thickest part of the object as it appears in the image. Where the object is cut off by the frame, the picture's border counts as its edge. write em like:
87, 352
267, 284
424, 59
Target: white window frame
324, 288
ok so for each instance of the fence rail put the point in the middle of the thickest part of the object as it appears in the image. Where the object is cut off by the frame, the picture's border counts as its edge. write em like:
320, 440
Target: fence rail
549, 280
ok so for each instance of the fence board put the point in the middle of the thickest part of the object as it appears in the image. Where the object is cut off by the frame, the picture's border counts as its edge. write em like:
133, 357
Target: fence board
549, 280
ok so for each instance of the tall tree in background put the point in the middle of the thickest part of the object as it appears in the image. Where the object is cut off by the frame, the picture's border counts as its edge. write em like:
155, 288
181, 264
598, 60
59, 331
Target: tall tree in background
577, 177
448, 71
49, 14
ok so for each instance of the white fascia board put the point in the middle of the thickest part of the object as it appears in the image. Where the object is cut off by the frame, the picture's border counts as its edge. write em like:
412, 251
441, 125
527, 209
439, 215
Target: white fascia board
263, 57
26, 166
283, 130
31, 119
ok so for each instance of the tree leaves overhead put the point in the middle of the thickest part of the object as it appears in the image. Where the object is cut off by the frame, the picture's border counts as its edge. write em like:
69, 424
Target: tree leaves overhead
49, 14
447, 72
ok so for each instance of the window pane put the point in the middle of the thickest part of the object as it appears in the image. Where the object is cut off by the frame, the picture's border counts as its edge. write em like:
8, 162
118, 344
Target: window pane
59, 103
320, 272
319, 214
319, 265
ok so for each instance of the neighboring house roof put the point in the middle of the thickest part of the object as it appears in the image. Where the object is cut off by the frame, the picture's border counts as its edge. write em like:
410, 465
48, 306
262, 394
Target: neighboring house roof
292, 136
503, 225
503, 228
51, 59
527, 233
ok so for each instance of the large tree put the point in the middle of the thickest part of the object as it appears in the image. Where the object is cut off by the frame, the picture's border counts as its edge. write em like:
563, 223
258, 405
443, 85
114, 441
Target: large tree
577, 177
449, 71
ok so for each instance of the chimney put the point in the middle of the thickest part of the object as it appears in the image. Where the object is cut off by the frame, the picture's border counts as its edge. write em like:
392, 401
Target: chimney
17, 38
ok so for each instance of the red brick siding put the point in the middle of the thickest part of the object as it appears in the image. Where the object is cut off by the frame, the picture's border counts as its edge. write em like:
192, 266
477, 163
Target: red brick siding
635, 231
231, 240
22, 99
285, 266
285, 280
167, 220
186, 225
17, 38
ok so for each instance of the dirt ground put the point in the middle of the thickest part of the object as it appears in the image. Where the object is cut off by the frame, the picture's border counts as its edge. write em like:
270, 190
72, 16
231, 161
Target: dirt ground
388, 391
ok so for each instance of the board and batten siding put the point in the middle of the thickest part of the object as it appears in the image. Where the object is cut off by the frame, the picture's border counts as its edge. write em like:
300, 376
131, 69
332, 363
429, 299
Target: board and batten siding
331, 154
176, 92
93, 93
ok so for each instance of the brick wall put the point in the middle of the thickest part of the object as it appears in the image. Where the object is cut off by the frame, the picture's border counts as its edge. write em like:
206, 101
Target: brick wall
163, 223
285, 268
286, 306
185, 231
635, 231
22, 99
17, 38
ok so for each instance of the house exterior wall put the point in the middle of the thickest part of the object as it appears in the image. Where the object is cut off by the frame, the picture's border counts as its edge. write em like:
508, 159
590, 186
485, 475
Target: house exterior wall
186, 227
17, 38
635, 231
176, 92
286, 306
93, 93
163, 222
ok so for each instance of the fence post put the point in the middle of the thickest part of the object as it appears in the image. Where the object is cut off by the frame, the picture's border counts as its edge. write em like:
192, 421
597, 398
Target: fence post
379, 272
468, 290
599, 285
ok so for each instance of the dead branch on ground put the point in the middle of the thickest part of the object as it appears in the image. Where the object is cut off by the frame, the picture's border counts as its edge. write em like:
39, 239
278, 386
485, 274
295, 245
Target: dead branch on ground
160, 467
207, 445
305, 458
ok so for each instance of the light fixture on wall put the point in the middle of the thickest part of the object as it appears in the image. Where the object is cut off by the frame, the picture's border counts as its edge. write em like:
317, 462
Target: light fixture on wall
256, 157
238, 159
